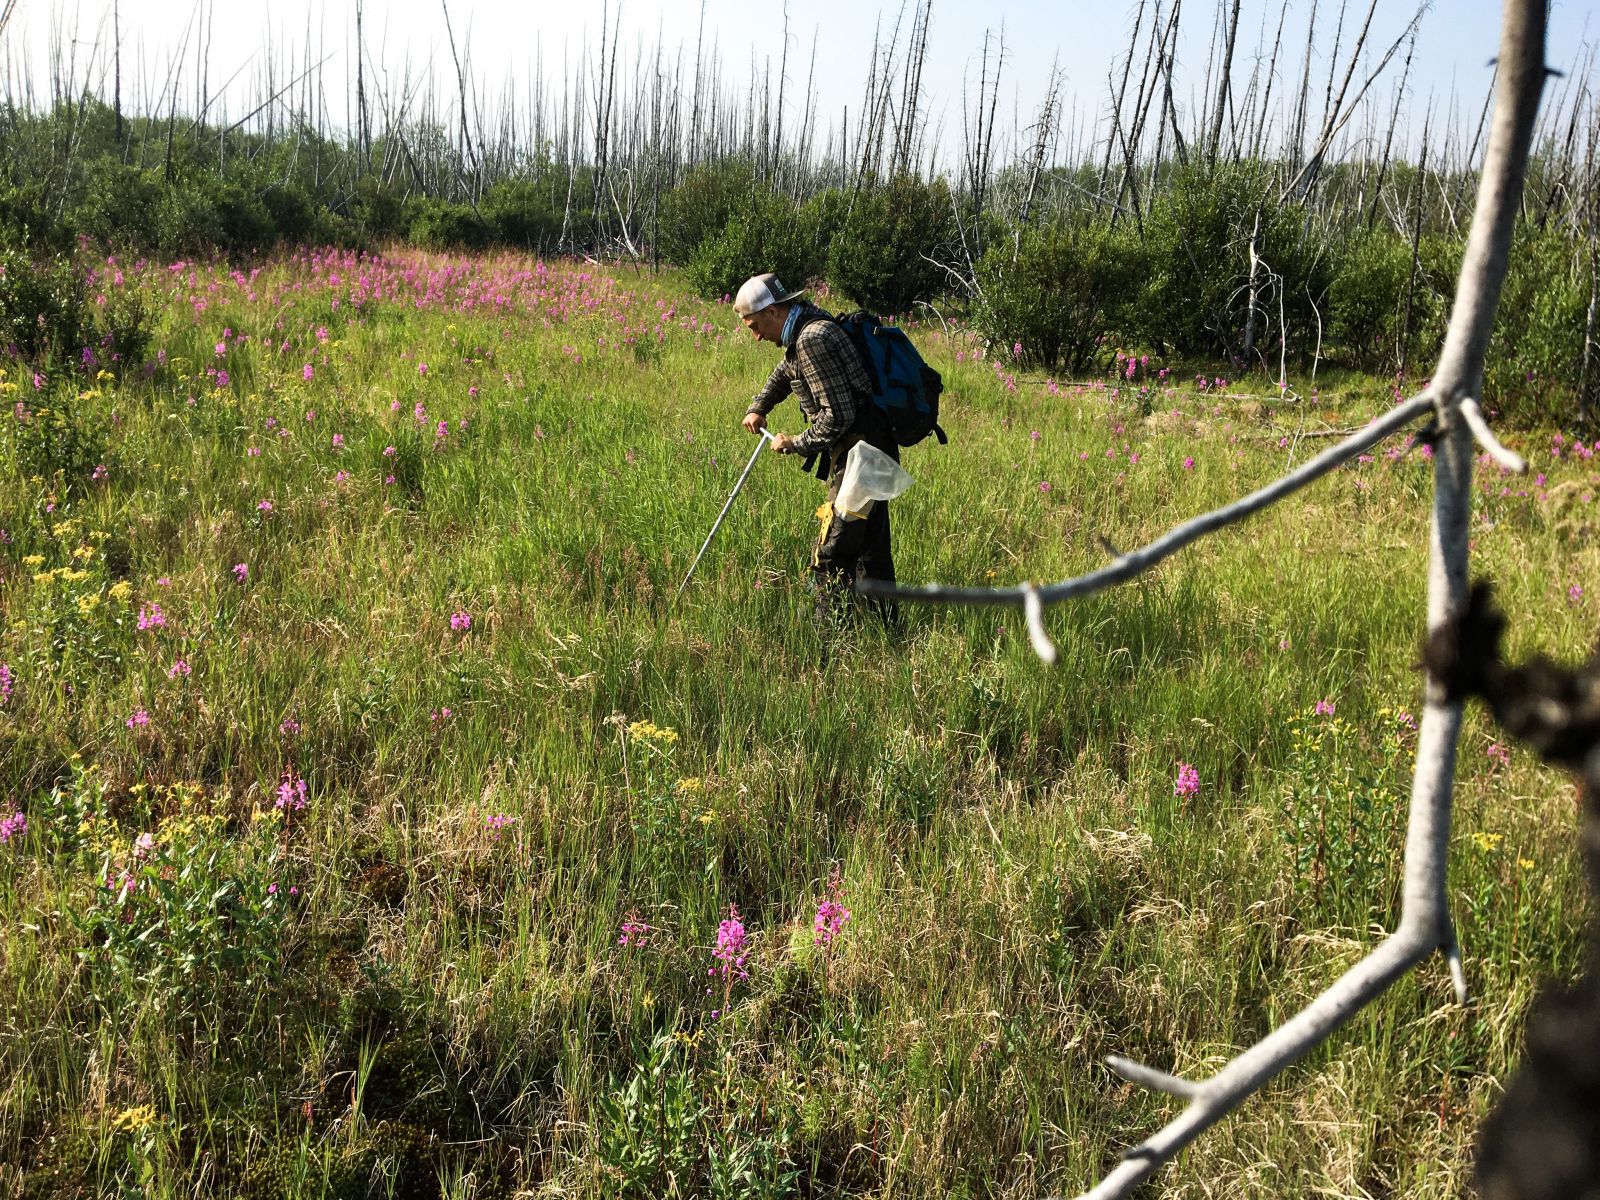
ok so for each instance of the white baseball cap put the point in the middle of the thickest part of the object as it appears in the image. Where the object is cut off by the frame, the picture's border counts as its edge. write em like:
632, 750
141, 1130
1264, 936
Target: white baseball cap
762, 291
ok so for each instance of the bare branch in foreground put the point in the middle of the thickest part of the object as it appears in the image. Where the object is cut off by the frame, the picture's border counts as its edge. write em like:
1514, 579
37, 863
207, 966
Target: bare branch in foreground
1136, 562
1509, 459
1425, 924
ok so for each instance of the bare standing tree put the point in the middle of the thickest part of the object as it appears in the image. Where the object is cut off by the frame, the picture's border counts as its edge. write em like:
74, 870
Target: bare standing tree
1451, 401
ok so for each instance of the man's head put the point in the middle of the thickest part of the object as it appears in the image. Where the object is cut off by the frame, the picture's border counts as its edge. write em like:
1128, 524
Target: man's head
763, 305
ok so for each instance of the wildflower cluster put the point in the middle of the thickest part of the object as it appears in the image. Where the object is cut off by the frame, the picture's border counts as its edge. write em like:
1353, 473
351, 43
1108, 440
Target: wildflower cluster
652, 734
1187, 782
731, 949
13, 825
291, 794
634, 932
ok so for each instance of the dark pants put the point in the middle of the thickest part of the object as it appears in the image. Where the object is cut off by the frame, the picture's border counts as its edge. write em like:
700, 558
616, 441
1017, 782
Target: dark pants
848, 550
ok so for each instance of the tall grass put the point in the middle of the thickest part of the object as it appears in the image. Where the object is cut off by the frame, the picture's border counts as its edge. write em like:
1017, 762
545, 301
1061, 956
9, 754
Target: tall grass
414, 984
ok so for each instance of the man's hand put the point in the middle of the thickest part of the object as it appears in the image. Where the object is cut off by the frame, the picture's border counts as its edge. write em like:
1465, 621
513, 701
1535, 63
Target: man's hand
754, 422
782, 443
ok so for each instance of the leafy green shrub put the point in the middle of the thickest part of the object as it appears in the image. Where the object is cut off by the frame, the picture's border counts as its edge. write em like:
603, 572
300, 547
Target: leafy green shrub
769, 235
376, 212
119, 203
441, 225
1535, 355
1366, 310
201, 212
1059, 290
523, 213
886, 252
700, 207
45, 318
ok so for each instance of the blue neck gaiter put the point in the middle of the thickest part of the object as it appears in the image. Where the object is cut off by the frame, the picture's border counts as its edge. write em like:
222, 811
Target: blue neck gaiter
789, 324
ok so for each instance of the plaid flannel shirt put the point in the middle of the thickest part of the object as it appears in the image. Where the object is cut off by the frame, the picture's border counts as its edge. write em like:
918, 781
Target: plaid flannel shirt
822, 369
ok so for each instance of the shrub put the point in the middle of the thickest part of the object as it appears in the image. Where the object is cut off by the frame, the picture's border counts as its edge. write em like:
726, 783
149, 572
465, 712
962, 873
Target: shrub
769, 235
45, 318
441, 225
523, 213
1366, 311
885, 254
1536, 353
1059, 290
700, 207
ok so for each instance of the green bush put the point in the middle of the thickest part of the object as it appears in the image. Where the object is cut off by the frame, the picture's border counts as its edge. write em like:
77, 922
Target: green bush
523, 214
769, 235
119, 204
700, 207
1536, 353
441, 225
885, 253
45, 316
1366, 310
1059, 290
202, 212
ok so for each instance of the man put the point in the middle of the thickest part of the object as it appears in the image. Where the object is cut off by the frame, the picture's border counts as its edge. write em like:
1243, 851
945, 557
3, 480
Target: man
822, 369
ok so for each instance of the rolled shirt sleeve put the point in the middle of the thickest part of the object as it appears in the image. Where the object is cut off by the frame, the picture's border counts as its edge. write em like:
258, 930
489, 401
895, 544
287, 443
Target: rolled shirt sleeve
774, 390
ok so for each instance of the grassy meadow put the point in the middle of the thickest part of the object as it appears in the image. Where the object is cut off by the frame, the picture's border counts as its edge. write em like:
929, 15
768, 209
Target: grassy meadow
375, 823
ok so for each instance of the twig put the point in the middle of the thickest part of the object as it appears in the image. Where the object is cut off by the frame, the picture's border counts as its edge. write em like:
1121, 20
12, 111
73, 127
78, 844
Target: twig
1136, 562
1509, 459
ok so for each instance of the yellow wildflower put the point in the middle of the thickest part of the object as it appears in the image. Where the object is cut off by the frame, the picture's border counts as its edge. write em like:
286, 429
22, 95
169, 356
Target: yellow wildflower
121, 591
1488, 842
1525, 863
83, 552
134, 1118
690, 787
88, 602
33, 560
653, 734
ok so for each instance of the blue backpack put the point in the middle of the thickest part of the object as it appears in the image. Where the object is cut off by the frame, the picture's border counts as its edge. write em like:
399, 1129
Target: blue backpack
903, 386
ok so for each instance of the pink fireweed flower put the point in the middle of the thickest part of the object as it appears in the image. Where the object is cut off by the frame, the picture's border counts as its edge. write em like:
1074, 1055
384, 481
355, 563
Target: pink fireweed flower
831, 917
99, 473
498, 824
6, 683
340, 476
440, 716
307, 373
1034, 436
338, 441
241, 571
253, 452
731, 950
1575, 594
144, 846
1499, 753
288, 727
151, 617
311, 415
291, 792
1044, 485
389, 452
1187, 782
13, 825
1324, 708
422, 369
265, 506
138, 719
634, 932
179, 670
461, 620
221, 349
1188, 462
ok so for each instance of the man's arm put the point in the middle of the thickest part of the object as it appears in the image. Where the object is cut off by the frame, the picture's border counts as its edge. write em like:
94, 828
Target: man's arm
774, 390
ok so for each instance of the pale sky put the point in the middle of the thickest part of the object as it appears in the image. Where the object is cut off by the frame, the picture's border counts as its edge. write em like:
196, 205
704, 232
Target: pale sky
1457, 38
